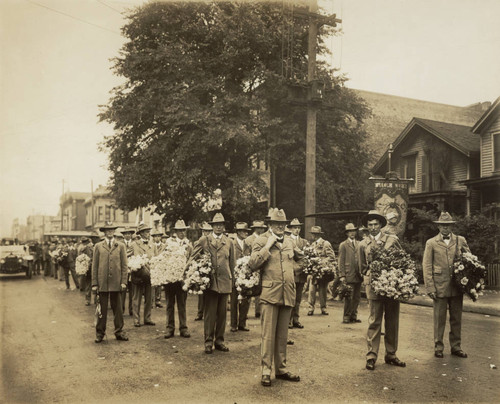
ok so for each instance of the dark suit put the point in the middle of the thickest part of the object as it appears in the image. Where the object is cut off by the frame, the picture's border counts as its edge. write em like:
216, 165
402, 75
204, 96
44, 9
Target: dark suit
239, 308
141, 286
350, 269
221, 284
249, 241
438, 270
300, 279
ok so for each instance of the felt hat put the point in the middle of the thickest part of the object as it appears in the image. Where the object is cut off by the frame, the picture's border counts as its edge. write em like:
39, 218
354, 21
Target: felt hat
316, 230
118, 234
205, 226
278, 216
445, 218
350, 227
108, 226
258, 224
128, 230
142, 227
287, 230
295, 222
218, 218
180, 225
85, 240
156, 233
363, 228
374, 214
242, 226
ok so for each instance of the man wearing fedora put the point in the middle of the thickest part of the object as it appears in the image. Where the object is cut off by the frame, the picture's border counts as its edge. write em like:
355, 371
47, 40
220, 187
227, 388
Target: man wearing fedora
259, 228
221, 251
109, 277
380, 306
206, 230
324, 249
127, 233
298, 271
349, 271
174, 291
274, 255
158, 249
440, 252
141, 281
239, 308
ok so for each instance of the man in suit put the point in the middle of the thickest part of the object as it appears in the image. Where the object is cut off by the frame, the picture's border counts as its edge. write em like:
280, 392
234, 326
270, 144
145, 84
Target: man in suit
324, 249
299, 275
274, 255
174, 291
86, 280
239, 308
109, 277
158, 249
206, 230
440, 252
127, 240
221, 251
380, 306
141, 282
259, 228
349, 272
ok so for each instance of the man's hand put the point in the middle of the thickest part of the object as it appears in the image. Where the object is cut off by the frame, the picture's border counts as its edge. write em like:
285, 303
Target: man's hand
432, 295
270, 241
124, 287
342, 279
94, 288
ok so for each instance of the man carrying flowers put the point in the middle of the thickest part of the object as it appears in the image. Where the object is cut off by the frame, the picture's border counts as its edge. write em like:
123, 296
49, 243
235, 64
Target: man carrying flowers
380, 306
440, 252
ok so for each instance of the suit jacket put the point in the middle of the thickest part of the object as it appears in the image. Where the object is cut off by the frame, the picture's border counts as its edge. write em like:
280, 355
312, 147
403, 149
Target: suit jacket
298, 267
223, 260
109, 266
438, 264
141, 247
250, 240
158, 249
238, 252
276, 266
72, 253
324, 249
364, 253
349, 261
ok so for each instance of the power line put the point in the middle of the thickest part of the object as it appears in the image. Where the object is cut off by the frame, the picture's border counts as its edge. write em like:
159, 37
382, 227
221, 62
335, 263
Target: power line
108, 6
73, 17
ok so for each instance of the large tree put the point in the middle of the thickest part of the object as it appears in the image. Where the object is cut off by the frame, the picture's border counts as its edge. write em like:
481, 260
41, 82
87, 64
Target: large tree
205, 100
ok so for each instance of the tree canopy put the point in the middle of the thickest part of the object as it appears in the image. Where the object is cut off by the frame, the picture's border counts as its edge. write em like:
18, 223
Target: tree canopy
205, 104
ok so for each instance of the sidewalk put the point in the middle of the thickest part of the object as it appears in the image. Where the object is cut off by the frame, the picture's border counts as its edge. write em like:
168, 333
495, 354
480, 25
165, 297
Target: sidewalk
488, 304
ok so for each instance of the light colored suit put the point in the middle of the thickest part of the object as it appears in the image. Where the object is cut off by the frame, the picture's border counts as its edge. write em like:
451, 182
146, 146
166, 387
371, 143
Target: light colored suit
380, 306
438, 270
350, 269
300, 279
277, 298
141, 286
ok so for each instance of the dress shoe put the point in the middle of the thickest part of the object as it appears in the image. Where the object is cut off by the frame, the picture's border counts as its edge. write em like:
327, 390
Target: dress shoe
324, 312
290, 342
149, 323
395, 362
289, 377
459, 353
169, 334
198, 318
265, 380
370, 364
346, 321
222, 347
298, 325
137, 325
290, 326
159, 305
257, 315
121, 337
185, 334
98, 339
438, 354
310, 313
234, 329
209, 349
355, 321
87, 303
243, 328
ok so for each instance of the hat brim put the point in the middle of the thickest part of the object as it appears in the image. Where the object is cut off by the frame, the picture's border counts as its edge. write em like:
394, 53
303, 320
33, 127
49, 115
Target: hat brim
143, 229
279, 221
372, 216
128, 231
317, 232
108, 228
218, 222
355, 229
180, 228
444, 221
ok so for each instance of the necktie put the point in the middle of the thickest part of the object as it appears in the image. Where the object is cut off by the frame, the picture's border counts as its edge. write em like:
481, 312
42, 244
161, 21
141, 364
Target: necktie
446, 237
109, 244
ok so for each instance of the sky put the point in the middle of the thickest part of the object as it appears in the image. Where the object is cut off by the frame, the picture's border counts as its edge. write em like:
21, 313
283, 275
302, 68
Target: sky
55, 71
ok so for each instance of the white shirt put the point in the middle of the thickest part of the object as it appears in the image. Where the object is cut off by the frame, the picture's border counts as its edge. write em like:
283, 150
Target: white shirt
241, 243
448, 240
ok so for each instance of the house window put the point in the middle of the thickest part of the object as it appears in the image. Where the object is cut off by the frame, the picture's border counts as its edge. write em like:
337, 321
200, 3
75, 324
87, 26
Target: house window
125, 217
99, 214
496, 152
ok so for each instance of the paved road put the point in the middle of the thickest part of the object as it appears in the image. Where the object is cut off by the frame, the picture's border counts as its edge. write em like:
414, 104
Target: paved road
48, 355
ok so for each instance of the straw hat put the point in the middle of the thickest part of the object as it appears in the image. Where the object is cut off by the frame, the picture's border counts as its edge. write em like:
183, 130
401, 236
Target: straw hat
180, 225
350, 227
445, 218
316, 230
295, 222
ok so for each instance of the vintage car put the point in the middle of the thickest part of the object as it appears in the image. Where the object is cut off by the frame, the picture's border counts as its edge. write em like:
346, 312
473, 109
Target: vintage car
15, 259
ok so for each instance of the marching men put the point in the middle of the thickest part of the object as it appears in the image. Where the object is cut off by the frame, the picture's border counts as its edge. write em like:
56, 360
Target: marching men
440, 252
174, 291
273, 254
349, 271
141, 282
109, 277
239, 308
380, 306
323, 249
221, 250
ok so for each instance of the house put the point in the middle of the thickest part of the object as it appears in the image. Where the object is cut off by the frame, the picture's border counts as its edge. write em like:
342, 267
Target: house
484, 188
73, 211
438, 156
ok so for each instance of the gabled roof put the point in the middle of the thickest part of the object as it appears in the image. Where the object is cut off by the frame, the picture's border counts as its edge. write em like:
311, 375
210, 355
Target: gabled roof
460, 137
489, 114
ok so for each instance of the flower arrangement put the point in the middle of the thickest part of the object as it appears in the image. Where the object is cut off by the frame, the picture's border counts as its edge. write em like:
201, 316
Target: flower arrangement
393, 273
247, 282
82, 264
169, 266
59, 256
197, 277
318, 267
136, 262
469, 274
344, 290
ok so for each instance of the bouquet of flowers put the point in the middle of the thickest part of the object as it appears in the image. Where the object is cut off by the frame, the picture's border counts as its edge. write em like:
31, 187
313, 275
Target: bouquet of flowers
60, 256
344, 290
197, 278
82, 264
55, 254
393, 273
169, 266
469, 274
247, 282
318, 267
136, 262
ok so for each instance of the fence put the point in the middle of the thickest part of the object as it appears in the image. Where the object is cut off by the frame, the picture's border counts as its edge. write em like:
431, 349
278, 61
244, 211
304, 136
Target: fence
493, 280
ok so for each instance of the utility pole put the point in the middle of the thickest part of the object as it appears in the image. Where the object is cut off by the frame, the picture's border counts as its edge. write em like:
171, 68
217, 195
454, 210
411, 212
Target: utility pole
92, 202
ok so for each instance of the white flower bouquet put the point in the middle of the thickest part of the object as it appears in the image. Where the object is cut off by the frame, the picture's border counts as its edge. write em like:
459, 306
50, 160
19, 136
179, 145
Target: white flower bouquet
319, 267
247, 282
393, 274
169, 266
82, 264
469, 274
197, 277
136, 262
